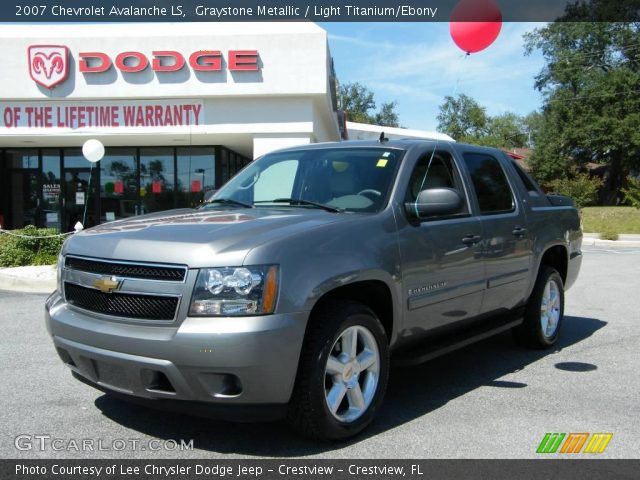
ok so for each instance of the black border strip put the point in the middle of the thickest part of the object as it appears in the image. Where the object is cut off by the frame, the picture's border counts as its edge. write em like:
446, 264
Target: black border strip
309, 469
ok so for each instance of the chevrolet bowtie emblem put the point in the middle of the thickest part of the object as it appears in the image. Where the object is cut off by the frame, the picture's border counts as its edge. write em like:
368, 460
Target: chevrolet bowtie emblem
107, 284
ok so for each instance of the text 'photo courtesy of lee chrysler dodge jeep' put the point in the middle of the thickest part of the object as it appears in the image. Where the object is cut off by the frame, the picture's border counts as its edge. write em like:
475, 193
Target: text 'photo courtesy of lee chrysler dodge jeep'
288, 293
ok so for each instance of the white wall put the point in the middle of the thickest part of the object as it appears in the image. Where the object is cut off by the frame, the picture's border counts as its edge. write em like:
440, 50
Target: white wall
263, 144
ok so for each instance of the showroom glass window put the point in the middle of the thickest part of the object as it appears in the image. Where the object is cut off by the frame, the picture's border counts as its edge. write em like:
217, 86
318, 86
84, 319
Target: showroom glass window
118, 184
157, 179
196, 174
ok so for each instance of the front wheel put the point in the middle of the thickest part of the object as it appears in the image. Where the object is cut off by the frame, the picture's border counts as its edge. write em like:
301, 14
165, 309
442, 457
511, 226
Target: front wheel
544, 311
343, 372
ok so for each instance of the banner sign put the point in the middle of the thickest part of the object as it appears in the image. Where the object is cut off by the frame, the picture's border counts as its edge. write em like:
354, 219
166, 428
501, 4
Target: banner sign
100, 114
276, 10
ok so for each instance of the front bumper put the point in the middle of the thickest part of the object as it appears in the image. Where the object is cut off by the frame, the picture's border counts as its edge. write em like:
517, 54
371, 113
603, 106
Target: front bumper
247, 361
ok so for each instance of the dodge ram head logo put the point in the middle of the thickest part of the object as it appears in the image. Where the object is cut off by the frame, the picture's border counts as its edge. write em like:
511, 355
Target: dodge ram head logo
48, 64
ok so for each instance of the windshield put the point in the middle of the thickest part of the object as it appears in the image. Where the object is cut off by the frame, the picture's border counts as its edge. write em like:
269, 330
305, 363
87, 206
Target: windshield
338, 179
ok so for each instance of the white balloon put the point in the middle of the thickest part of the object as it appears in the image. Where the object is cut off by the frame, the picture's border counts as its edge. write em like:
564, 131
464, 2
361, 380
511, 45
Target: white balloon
93, 150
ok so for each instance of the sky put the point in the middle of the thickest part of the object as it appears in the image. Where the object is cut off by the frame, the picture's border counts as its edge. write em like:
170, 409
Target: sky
417, 65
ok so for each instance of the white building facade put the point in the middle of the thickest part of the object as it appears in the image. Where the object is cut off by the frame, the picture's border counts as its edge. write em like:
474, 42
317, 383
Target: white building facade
179, 107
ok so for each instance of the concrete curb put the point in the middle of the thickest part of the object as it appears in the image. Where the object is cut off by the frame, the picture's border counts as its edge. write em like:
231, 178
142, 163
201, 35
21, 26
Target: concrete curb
625, 240
35, 280
596, 242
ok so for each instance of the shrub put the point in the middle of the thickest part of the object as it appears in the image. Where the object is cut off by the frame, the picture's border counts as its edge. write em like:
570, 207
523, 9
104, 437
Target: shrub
632, 192
609, 233
34, 250
581, 187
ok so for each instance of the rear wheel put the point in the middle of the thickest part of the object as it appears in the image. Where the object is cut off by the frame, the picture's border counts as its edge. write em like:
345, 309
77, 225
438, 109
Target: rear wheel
343, 372
544, 312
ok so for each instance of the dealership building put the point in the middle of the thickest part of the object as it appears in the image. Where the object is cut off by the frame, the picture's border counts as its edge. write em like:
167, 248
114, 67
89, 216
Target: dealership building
179, 107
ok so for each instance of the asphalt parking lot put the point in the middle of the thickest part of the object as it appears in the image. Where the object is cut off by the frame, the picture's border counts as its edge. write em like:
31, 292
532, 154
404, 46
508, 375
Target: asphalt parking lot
490, 400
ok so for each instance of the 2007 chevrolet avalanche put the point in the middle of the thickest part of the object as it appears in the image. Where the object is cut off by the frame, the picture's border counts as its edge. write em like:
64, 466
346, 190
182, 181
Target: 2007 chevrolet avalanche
287, 293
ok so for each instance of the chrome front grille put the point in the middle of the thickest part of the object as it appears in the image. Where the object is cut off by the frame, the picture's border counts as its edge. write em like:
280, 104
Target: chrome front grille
140, 292
126, 269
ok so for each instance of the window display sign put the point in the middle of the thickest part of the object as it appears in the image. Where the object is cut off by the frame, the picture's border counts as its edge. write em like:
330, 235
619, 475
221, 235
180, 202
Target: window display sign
51, 191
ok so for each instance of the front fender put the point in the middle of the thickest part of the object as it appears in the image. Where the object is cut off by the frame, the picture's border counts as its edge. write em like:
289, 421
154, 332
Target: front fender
314, 262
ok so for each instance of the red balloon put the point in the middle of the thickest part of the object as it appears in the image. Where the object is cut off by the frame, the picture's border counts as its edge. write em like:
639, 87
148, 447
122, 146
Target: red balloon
475, 24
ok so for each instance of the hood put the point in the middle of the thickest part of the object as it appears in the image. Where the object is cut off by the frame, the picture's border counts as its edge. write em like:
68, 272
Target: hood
197, 238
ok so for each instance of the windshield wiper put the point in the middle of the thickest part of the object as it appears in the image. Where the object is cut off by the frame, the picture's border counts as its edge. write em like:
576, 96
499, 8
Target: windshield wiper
300, 201
229, 201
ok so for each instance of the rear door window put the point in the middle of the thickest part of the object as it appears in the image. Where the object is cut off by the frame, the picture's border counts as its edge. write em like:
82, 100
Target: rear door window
490, 183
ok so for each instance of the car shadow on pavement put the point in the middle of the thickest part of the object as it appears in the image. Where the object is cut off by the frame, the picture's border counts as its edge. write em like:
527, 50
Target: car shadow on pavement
412, 393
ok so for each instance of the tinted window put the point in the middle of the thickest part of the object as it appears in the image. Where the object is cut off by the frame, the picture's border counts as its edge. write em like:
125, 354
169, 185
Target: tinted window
528, 183
490, 183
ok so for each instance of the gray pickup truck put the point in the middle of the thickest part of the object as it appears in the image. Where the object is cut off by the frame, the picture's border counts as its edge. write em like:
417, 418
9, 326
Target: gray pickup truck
288, 293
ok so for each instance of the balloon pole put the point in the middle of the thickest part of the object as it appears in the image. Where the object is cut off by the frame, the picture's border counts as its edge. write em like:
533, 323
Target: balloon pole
93, 151
86, 203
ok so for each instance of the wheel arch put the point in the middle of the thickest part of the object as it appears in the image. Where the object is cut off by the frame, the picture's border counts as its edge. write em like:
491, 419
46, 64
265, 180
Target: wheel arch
375, 294
556, 257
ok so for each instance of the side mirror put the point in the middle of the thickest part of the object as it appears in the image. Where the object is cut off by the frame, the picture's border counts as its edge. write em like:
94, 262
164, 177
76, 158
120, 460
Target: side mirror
208, 195
435, 201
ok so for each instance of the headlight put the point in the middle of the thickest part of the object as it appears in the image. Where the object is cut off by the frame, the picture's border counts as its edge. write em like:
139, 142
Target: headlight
235, 291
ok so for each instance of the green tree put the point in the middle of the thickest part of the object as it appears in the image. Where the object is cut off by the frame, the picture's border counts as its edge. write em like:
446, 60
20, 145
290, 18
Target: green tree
463, 118
580, 186
590, 84
507, 131
467, 121
359, 103
387, 116
632, 192
533, 124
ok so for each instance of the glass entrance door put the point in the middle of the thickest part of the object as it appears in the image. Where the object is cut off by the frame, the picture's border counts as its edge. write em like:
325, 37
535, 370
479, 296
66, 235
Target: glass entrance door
77, 198
51, 189
24, 201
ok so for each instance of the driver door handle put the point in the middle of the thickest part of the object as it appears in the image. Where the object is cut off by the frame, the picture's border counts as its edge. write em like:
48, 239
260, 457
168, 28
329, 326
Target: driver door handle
471, 239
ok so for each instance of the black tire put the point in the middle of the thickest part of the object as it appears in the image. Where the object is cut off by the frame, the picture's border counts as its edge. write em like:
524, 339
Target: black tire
530, 333
309, 413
